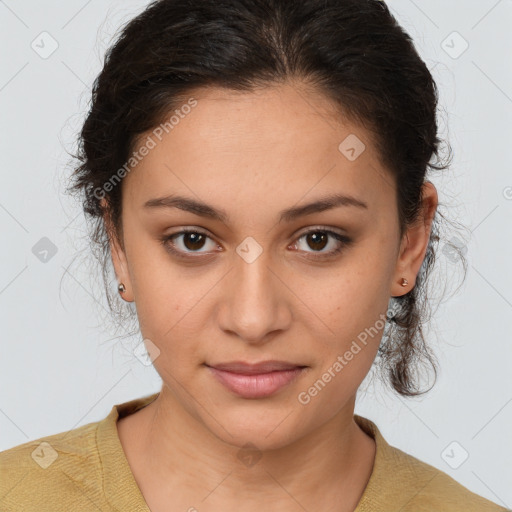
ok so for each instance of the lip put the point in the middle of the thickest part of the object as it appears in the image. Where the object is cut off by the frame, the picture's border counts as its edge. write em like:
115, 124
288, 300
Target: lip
257, 380
244, 368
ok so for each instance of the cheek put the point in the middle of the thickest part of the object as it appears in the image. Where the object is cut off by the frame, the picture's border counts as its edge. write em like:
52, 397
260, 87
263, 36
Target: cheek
346, 356
157, 287
346, 300
352, 305
170, 305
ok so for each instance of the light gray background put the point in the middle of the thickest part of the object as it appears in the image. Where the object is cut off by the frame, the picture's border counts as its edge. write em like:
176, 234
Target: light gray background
59, 369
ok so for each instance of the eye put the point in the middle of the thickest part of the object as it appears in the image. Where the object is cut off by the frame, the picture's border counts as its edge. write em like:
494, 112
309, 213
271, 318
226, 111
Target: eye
193, 240
319, 238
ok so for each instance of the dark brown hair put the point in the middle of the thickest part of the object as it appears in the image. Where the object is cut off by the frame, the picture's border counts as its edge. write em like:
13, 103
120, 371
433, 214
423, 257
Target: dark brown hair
352, 51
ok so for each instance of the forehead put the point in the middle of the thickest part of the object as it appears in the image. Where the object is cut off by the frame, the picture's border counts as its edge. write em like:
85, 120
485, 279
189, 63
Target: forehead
273, 145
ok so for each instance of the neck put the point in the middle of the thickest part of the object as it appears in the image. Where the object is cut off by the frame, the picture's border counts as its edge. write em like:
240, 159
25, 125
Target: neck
328, 467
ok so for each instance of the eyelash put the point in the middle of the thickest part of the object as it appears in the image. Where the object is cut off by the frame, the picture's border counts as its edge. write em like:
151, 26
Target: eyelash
343, 239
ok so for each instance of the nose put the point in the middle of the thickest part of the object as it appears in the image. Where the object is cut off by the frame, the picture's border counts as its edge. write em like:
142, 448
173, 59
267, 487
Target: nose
255, 304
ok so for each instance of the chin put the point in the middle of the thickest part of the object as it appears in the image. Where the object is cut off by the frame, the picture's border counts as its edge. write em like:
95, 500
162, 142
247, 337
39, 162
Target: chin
266, 427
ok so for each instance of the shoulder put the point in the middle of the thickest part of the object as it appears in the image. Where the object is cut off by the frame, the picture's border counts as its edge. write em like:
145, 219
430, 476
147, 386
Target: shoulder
400, 481
433, 489
56, 472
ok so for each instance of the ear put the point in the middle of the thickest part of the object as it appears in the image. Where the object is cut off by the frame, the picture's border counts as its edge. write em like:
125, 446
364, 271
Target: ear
118, 254
414, 243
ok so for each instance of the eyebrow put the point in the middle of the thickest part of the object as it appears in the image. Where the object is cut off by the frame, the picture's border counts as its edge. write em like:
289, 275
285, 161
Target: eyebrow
205, 210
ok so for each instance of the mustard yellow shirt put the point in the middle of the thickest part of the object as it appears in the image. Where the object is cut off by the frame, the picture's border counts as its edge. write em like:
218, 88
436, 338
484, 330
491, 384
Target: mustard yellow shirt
85, 469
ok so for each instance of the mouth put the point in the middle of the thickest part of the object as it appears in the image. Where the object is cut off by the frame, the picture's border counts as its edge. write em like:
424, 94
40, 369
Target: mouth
256, 380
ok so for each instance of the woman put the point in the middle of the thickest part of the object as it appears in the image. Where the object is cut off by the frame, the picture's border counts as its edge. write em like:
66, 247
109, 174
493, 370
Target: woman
257, 174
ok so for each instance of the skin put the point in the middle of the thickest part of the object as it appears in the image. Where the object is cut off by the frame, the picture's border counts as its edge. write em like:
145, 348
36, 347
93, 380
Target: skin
253, 155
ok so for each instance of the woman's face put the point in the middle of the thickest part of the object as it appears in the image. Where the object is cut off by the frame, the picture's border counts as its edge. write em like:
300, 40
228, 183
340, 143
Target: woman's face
249, 284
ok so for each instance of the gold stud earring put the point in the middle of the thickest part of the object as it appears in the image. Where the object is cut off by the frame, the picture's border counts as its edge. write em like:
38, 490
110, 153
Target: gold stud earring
404, 281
